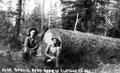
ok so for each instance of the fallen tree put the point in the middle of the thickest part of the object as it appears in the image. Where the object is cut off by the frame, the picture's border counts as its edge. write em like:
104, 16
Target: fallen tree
83, 49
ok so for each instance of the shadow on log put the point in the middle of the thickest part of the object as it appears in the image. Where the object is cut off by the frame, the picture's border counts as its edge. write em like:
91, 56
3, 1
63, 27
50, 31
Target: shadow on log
83, 49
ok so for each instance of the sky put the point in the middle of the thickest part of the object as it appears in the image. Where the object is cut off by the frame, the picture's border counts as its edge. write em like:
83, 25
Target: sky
30, 5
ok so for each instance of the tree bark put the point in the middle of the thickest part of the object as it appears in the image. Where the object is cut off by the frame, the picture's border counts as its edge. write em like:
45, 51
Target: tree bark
83, 49
18, 18
43, 15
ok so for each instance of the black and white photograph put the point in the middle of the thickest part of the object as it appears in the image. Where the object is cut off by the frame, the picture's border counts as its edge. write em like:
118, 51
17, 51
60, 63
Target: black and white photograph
59, 36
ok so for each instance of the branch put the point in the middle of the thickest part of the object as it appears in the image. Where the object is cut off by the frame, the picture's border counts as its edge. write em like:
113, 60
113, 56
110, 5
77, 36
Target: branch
76, 22
108, 20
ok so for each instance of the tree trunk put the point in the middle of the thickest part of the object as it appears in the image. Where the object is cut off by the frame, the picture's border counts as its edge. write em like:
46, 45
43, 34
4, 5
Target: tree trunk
43, 15
18, 18
76, 22
83, 49
50, 14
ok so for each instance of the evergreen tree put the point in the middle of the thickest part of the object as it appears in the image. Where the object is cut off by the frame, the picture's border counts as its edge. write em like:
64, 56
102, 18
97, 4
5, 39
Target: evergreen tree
92, 15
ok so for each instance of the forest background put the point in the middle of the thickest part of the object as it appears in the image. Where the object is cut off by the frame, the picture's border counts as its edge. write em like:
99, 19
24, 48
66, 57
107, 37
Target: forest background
99, 17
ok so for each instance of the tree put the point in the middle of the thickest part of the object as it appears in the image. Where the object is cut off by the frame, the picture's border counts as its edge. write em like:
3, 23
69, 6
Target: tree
18, 18
93, 15
5, 23
114, 16
54, 20
43, 16
6, 20
35, 18
84, 8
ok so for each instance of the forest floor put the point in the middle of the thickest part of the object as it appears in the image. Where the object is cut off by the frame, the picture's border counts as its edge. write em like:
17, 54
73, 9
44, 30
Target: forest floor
15, 64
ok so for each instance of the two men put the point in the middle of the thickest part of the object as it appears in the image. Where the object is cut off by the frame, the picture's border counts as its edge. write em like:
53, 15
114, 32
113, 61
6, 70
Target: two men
52, 51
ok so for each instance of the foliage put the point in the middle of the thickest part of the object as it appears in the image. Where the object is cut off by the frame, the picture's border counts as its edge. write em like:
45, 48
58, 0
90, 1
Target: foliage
33, 21
92, 15
5, 25
55, 21
114, 17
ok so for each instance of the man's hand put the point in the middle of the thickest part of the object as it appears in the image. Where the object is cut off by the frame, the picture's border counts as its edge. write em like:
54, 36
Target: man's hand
52, 57
25, 49
34, 47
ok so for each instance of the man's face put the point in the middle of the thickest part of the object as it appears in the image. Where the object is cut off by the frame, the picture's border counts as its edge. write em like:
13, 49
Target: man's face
54, 41
32, 33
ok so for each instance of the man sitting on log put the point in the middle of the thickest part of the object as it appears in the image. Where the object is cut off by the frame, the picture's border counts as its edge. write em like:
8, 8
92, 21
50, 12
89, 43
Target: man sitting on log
52, 52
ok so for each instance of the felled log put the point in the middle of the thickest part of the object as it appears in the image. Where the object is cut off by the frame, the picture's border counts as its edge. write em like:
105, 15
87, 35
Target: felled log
83, 49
